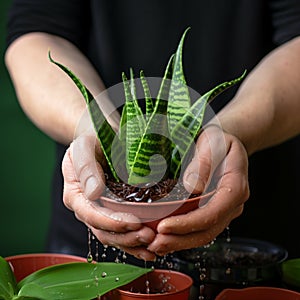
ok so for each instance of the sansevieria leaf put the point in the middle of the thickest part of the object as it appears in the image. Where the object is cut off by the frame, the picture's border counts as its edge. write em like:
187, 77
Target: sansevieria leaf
103, 129
155, 139
187, 129
77, 281
148, 98
135, 122
179, 98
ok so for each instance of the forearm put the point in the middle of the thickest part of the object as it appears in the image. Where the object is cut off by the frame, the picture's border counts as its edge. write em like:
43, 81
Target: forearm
49, 98
266, 109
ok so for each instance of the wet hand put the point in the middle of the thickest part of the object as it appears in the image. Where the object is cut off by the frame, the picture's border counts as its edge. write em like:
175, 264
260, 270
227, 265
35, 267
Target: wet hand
84, 182
221, 161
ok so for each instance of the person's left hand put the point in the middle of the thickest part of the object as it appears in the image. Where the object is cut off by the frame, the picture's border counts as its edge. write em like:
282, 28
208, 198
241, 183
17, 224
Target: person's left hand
224, 155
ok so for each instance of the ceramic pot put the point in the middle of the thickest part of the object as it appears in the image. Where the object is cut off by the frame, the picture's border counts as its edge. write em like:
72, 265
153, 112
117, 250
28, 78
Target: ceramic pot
258, 293
152, 213
250, 262
25, 264
163, 285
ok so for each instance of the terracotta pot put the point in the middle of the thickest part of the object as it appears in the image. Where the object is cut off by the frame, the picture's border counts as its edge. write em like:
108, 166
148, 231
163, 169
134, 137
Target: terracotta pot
25, 264
163, 284
152, 213
258, 293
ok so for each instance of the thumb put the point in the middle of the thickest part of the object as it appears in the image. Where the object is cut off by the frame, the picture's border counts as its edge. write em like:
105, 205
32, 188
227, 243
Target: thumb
88, 170
209, 153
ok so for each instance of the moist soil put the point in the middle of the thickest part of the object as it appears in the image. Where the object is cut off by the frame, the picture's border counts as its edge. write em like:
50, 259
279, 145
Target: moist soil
230, 257
121, 191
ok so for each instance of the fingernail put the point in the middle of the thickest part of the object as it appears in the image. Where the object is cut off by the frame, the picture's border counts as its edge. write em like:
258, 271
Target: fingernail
194, 183
90, 186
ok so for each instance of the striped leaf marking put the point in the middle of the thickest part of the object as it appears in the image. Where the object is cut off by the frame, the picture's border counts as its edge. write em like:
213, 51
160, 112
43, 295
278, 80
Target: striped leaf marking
179, 98
104, 131
148, 98
153, 143
188, 128
135, 122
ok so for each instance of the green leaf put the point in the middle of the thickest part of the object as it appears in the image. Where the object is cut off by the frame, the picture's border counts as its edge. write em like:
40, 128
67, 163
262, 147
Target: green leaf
291, 272
105, 133
135, 122
8, 285
148, 98
78, 281
179, 98
147, 167
188, 128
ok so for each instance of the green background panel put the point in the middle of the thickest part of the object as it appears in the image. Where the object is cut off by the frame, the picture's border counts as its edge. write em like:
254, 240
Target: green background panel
26, 160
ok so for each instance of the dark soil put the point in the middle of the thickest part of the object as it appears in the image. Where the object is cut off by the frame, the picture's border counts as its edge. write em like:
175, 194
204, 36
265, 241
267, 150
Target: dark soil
121, 191
225, 257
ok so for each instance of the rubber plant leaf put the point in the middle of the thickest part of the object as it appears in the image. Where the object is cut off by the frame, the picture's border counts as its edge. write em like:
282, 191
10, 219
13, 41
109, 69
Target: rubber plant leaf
8, 285
291, 272
78, 281
179, 98
104, 131
148, 166
135, 122
188, 128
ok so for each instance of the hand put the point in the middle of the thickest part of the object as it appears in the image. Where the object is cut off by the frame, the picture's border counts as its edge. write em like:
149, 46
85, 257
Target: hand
84, 182
224, 156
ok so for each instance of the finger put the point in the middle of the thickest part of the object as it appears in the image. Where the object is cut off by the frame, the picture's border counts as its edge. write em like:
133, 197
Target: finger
102, 218
232, 191
225, 200
211, 149
164, 243
141, 237
87, 169
141, 253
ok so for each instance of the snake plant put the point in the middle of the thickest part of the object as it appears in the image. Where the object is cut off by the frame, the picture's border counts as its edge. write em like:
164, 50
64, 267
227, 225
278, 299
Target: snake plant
153, 143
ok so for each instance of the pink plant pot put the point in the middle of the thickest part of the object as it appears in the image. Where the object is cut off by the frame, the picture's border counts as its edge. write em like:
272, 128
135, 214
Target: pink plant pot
152, 213
258, 293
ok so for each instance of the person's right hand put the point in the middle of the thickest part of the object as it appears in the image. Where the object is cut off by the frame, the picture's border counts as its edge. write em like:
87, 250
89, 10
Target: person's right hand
84, 182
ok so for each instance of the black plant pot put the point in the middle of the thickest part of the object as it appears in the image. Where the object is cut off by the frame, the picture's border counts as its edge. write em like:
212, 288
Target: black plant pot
239, 263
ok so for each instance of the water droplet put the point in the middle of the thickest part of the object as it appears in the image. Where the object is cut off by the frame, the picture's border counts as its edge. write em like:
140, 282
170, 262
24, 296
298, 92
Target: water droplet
103, 274
147, 287
89, 258
202, 276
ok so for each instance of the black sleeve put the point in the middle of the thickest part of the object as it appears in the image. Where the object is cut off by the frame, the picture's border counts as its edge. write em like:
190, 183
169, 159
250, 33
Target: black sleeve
64, 18
285, 20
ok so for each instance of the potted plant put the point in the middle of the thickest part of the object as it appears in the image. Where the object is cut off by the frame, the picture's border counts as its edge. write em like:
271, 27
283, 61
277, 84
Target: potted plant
73, 279
48, 276
149, 151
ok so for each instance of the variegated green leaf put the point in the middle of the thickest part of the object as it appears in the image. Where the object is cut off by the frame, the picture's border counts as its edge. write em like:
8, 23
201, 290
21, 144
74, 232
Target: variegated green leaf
148, 98
188, 128
179, 98
104, 131
155, 139
135, 122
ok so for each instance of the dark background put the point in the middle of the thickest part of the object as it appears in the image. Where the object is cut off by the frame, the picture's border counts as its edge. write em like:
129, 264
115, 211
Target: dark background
26, 162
